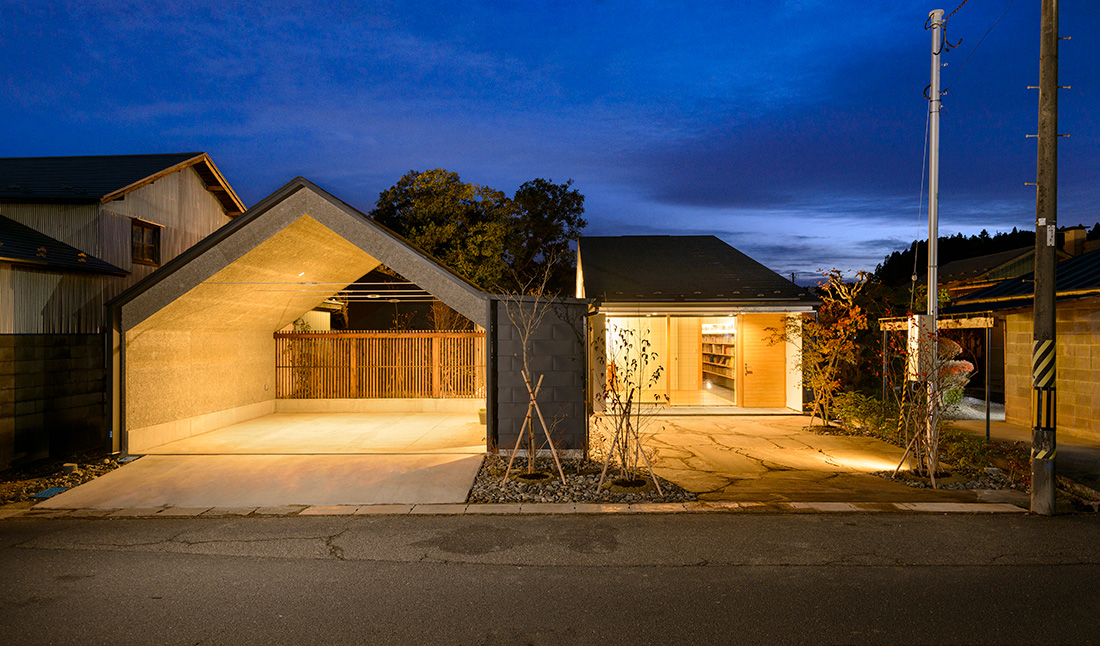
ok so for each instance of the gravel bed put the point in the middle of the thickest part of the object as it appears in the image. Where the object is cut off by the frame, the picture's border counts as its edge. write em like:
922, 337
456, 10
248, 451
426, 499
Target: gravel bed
581, 479
19, 484
989, 480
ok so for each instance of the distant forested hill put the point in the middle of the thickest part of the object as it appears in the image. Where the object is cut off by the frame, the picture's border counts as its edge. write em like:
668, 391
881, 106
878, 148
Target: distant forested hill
897, 268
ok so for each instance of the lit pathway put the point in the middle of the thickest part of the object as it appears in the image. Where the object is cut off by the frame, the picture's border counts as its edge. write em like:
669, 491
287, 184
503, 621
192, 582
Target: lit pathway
774, 459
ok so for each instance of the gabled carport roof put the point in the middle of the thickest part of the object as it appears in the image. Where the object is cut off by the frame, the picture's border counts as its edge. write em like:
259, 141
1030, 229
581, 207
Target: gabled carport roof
232, 275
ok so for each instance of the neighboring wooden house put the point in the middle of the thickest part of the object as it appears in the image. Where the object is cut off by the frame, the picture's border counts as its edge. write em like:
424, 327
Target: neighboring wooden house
708, 311
1078, 342
74, 233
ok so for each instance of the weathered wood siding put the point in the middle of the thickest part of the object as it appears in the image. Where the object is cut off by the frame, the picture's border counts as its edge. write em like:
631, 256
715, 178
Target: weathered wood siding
73, 224
35, 301
178, 202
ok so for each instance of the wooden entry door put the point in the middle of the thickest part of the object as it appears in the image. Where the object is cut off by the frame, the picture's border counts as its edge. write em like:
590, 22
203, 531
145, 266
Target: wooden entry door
763, 366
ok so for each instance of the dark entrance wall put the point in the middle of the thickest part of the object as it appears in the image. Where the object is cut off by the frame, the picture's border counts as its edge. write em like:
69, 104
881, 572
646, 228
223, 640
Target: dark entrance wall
557, 353
52, 395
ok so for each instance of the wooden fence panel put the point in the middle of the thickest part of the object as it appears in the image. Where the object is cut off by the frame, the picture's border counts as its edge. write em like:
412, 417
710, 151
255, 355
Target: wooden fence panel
379, 365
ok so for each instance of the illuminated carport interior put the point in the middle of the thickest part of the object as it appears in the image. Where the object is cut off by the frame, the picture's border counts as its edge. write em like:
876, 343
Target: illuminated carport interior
197, 346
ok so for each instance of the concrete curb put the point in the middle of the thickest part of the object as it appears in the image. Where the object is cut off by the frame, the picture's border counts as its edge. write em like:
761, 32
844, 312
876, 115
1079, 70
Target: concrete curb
527, 509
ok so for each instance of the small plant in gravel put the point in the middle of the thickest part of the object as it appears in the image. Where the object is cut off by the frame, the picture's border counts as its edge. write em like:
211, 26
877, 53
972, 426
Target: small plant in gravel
581, 478
633, 370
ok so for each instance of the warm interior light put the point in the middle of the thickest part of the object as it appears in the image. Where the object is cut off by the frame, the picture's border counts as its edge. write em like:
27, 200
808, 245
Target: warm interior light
301, 274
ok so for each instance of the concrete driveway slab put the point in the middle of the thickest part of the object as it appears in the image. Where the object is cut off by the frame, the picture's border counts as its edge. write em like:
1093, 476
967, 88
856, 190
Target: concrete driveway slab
243, 481
301, 459
337, 433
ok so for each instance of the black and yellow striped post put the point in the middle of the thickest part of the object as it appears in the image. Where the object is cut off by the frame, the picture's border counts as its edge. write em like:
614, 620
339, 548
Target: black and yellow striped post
1043, 441
1044, 354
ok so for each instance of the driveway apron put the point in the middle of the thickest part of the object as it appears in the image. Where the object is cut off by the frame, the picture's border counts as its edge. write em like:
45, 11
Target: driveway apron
299, 459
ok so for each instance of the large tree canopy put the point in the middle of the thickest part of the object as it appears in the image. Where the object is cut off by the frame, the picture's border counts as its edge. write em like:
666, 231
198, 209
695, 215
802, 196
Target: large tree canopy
548, 217
498, 243
462, 225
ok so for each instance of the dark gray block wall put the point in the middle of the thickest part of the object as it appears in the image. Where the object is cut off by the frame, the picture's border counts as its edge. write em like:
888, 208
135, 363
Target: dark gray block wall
52, 395
556, 352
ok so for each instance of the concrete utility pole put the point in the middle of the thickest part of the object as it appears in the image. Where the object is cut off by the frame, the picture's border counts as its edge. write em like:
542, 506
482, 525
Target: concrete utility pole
934, 100
1043, 350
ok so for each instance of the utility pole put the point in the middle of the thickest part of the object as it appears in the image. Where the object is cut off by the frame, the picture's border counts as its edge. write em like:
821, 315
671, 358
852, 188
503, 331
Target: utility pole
1043, 349
936, 21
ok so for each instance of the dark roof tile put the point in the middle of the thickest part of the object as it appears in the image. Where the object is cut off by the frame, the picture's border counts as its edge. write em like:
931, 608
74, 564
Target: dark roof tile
78, 178
22, 245
678, 269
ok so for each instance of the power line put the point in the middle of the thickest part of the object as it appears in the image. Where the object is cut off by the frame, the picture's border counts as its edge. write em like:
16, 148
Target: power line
995, 23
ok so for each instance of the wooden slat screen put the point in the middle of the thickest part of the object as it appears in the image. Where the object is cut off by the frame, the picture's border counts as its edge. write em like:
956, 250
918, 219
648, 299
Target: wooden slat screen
379, 365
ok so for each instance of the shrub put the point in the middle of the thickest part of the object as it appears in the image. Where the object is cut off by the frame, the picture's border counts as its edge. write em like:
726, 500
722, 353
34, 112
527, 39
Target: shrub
868, 415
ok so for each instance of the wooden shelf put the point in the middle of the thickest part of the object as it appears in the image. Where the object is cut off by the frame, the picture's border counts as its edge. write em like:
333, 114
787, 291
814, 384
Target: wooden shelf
719, 355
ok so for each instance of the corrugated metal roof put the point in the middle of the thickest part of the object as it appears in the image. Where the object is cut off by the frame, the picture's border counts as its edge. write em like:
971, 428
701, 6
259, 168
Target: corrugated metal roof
22, 245
701, 269
1074, 276
98, 178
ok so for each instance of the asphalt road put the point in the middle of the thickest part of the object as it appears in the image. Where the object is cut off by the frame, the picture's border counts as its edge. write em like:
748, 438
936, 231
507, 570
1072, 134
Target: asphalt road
615, 579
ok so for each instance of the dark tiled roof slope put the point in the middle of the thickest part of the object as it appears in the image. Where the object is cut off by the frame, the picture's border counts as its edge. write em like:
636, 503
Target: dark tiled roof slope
678, 269
22, 245
1074, 276
969, 268
78, 179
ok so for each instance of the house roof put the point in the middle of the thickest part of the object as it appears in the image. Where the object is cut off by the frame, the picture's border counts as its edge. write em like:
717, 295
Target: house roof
1076, 277
102, 178
678, 269
979, 266
22, 245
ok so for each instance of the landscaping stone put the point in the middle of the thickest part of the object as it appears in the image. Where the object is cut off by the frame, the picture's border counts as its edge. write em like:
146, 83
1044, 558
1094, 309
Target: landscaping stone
581, 485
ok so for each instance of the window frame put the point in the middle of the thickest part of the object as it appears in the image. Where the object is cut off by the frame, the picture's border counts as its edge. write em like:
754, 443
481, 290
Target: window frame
142, 244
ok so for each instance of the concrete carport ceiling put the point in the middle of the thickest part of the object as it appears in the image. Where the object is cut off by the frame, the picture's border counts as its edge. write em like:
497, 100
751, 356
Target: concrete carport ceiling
264, 270
271, 285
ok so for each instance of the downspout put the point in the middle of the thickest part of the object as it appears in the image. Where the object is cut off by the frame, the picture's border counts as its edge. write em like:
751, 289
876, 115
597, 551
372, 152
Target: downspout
116, 363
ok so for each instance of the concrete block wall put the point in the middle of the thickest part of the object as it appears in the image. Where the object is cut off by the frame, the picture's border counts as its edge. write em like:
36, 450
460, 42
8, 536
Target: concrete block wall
1078, 369
53, 395
556, 352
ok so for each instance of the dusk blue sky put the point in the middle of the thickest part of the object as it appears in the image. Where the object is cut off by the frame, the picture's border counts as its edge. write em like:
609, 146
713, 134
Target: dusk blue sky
793, 130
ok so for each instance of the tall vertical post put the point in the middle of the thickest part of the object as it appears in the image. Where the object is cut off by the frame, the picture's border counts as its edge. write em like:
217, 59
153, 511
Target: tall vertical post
936, 21
1043, 352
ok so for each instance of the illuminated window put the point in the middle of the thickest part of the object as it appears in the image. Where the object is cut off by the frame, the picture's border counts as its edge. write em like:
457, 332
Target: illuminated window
146, 243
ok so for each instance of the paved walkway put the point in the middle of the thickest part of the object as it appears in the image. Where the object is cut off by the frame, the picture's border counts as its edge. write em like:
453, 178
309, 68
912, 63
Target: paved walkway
774, 459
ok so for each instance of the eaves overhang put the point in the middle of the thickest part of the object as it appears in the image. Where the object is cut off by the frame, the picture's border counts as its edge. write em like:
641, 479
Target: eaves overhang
701, 308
